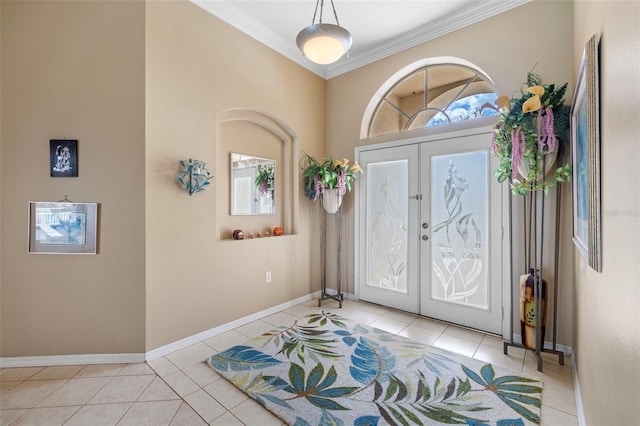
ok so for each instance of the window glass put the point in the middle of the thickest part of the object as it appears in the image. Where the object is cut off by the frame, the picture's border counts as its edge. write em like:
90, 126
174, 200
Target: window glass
433, 95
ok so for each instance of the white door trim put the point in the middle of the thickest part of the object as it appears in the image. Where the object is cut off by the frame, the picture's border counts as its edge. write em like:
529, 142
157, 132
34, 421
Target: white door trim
505, 257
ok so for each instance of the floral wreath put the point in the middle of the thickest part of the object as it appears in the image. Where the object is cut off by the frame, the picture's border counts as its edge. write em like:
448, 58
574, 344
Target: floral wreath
532, 127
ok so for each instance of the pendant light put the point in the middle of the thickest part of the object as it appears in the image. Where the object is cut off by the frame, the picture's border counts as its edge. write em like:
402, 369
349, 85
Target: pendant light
324, 43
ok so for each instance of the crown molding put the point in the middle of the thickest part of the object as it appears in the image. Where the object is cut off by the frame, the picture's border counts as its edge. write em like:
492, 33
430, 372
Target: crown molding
224, 11
479, 11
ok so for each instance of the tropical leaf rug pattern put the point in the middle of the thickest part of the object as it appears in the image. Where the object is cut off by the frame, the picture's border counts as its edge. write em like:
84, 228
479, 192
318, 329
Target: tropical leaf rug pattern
325, 370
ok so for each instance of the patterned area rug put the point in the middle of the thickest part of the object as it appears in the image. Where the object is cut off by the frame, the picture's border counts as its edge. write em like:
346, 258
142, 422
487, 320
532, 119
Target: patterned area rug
325, 370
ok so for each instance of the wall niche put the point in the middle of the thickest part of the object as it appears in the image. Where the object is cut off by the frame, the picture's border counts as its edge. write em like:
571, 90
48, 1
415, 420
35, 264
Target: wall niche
257, 134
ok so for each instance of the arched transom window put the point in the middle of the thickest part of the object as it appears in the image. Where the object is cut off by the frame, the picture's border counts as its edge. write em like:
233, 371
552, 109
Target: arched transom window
431, 95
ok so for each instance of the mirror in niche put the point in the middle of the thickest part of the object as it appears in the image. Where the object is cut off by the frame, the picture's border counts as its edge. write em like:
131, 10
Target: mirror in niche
252, 185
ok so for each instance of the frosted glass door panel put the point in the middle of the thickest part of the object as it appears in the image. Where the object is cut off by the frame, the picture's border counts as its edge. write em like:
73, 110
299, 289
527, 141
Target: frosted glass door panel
459, 213
388, 211
388, 257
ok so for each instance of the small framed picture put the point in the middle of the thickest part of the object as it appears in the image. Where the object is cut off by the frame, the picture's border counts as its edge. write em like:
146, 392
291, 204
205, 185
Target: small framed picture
63, 154
63, 228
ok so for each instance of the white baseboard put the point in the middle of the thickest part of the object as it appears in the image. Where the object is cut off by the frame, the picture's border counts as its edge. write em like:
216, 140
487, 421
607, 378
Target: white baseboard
188, 341
576, 389
46, 361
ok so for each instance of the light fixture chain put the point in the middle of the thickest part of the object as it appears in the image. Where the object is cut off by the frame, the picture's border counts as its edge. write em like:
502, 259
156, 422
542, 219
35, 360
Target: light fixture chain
334, 13
315, 12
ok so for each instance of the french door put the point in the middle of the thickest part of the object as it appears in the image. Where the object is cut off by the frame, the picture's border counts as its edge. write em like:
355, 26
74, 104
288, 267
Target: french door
430, 230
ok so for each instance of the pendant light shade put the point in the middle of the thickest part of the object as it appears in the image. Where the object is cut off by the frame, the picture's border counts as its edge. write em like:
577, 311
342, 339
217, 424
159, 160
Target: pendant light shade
324, 43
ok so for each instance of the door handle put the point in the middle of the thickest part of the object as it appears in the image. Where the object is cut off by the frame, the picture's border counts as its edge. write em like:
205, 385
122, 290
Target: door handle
425, 225
425, 238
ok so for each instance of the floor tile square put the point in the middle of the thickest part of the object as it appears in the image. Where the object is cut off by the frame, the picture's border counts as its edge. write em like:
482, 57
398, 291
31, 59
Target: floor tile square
419, 334
390, 325
207, 407
29, 393
494, 341
158, 390
7, 416
202, 374
227, 419
280, 319
456, 344
163, 367
5, 387
57, 372
186, 416
431, 324
137, 369
99, 415
100, 370
226, 394
513, 361
300, 311
122, 389
255, 328
190, 355
181, 383
48, 416
156, 413
226, 340
404, 317
75, 392
551, 416
462, 333
360, 316
18, 374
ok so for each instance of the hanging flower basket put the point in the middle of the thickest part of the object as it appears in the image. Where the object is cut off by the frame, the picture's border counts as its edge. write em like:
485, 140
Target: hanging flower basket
532, 129
328, 179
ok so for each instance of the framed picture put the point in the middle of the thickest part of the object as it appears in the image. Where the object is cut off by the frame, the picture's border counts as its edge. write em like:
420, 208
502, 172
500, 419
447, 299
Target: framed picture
585, 138
63, 157
63, 227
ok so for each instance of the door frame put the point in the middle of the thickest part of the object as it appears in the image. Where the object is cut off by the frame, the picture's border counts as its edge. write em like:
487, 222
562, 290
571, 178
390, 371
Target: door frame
505, 269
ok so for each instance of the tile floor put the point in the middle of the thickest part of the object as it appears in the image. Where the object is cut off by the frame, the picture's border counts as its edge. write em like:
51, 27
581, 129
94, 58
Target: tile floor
179, 389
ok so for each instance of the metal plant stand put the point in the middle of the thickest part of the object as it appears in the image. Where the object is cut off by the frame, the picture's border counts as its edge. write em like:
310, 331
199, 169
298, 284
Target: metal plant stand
534, 237
338, 296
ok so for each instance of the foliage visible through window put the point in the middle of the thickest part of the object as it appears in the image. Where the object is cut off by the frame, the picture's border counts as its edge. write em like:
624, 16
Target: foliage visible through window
433, 95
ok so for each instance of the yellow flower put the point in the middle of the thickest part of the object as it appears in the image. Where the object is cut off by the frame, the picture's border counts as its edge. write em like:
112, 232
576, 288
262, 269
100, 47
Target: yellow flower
337, 163
502, 101
536, 90
355, 168
531, 104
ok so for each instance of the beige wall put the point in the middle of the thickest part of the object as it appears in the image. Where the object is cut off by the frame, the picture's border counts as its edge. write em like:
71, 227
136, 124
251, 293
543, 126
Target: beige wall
496, 45
141, 87
607, 343
197, 68
73, 70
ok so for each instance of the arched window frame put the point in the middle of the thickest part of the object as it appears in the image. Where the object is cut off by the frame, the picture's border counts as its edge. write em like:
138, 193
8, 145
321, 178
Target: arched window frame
397, 79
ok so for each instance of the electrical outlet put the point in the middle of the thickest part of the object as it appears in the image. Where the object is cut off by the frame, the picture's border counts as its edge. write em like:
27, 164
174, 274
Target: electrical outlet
267, 277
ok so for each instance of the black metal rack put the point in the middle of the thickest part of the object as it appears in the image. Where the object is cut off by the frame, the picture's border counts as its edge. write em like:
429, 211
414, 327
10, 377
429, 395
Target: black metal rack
534, 238
338, 296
